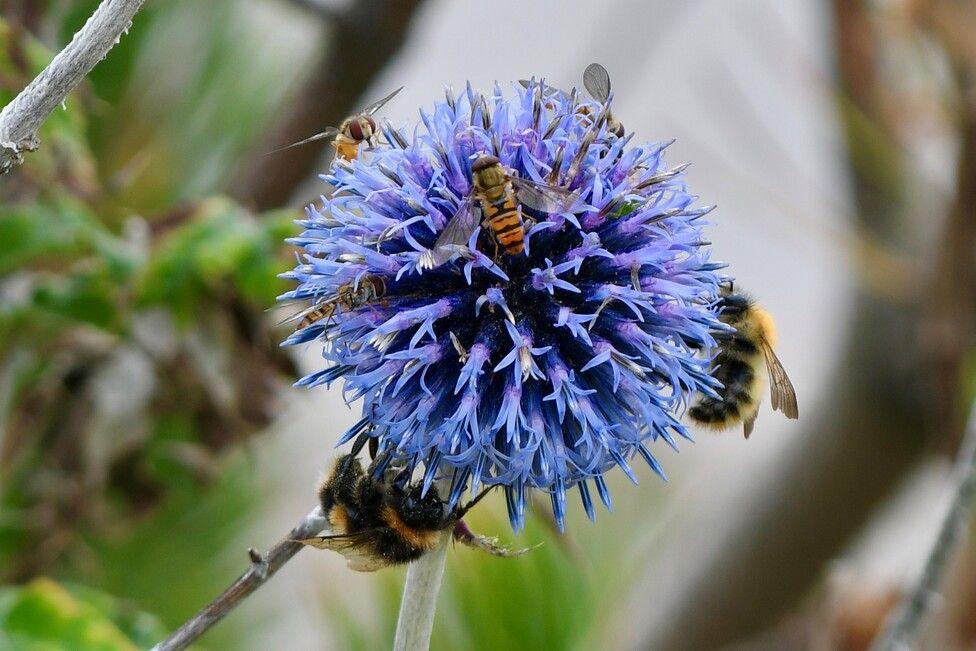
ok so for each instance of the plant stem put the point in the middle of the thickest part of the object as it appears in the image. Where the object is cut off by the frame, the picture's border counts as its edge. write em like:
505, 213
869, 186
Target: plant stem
419, 602
21, 118
262, 568
904, 626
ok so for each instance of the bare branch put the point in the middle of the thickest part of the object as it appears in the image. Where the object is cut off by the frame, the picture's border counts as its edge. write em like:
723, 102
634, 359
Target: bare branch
263, 567
20, 120
903, 628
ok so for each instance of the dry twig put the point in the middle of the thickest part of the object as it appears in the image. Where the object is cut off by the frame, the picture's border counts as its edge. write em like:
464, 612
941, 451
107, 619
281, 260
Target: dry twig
263, 567
21, 118
906, 622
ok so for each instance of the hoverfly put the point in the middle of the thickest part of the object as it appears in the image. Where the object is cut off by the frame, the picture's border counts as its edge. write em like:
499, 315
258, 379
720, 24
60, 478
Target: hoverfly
353, 131
500, 196
348, 297
596, 81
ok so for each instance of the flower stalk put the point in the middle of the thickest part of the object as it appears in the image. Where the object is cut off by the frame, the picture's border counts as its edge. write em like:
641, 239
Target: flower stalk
423, 584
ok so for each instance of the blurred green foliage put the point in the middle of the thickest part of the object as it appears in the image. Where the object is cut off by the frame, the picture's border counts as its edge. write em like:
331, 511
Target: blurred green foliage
135, 352
45, 616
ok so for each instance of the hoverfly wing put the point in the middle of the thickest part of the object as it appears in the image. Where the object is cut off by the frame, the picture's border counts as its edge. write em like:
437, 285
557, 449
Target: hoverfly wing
782, 393
596, 81
547, 90
457, 232
377, 105
328, 134
547, 198
298, 316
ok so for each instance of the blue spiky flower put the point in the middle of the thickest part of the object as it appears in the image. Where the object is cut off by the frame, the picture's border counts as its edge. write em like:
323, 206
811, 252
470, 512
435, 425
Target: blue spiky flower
539, 371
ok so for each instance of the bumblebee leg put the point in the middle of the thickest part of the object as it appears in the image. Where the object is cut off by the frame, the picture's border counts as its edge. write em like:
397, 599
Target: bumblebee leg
635, 278
464, 535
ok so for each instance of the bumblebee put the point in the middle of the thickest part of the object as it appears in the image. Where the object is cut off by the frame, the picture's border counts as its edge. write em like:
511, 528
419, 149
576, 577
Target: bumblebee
353, 131
378, 523
739, 367
500, 196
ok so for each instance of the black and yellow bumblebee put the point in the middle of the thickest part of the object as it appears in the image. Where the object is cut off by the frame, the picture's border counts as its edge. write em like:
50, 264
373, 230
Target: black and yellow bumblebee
742, 356
381, 522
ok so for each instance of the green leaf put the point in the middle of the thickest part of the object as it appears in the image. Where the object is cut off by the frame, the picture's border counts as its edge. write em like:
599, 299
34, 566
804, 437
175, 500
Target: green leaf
46, 615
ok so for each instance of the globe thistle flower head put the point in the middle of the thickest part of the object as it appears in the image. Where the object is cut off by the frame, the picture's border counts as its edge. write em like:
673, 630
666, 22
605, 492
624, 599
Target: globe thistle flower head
542, 370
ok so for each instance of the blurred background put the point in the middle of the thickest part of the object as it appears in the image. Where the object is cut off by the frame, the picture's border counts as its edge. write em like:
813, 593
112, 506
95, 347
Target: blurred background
149, 434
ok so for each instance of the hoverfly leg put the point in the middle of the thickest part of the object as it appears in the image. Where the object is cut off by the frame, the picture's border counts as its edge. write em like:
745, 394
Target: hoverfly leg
462, 353
596, 314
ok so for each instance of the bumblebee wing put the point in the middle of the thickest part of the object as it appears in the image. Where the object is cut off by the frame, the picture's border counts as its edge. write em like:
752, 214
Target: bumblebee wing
547, 198
328, 134
596, 81
457, 232
356, 547
377, 105
783, 395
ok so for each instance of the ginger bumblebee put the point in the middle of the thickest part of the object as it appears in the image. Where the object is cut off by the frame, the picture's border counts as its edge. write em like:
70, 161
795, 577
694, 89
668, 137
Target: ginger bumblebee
377, 523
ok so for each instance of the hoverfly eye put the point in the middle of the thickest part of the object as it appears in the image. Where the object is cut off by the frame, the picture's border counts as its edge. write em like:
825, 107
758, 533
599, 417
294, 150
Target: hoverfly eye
356, 130
484, 162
